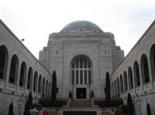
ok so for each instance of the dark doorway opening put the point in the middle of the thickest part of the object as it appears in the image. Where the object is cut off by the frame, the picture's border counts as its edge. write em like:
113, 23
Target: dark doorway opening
81, 93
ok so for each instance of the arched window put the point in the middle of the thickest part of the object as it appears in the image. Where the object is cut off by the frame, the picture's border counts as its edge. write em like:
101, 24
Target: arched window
13, 69
3, 61
136, 74
130, 78
39, 85
22, 75
81, 70
35, 82
29, 79
144, 69
43, 88
121, 83
125, 81
152, 59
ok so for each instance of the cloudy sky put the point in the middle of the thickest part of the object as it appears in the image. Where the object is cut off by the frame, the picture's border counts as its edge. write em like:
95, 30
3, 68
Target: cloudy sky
34, 20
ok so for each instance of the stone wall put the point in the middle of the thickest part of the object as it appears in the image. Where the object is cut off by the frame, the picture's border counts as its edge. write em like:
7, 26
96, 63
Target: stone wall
98, 47
143, 93
13, 90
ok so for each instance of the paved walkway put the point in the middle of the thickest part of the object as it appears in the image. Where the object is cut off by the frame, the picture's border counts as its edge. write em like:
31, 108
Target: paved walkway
82, 105
106, 112
103, 113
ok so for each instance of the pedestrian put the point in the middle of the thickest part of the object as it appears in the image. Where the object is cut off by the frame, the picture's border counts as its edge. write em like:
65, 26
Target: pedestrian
34, 111
45, 112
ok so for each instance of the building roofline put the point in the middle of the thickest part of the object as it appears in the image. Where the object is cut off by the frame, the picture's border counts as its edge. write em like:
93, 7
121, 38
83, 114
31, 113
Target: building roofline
9, 30
140, 39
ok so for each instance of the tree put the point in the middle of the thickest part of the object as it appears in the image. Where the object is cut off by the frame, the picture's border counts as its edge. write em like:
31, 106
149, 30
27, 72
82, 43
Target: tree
148, 109
11, 109
54, 86
129, 99
28, 104
107, 88
130, 105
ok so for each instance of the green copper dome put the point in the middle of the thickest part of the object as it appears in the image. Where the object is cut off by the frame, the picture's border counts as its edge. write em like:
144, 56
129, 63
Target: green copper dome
81, 26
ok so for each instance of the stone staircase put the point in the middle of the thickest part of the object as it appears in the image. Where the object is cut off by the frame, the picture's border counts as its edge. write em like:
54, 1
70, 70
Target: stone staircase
80, 107
80, 104
53, 113
107, 113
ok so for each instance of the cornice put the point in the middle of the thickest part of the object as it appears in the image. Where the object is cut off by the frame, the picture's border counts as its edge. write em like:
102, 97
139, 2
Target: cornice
81, 35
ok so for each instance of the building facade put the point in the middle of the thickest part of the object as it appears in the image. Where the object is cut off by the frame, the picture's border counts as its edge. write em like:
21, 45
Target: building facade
20, 73
81, 54
136, 74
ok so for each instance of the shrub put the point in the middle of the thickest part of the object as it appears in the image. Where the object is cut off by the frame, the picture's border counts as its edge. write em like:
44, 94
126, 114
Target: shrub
111, 103
50, 103
91, 94
70, 95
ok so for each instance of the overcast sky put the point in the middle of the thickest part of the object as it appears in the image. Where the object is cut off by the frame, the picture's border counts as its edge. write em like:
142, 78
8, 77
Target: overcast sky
34, 20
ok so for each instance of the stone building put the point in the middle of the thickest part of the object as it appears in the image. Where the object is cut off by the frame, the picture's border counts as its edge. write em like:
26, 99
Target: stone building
136, 74
20, 73
82, 54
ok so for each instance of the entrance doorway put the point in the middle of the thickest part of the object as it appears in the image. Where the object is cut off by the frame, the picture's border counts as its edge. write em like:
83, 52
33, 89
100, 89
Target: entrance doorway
81, 93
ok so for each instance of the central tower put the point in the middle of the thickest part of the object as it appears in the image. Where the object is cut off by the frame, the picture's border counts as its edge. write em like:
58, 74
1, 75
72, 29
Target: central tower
81, 54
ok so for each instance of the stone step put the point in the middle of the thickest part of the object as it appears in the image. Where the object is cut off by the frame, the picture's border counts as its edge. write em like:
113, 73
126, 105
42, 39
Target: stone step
107, 113
52, 113
80, 103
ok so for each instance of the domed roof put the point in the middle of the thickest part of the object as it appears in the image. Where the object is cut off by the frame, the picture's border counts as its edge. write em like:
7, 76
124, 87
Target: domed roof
81, 26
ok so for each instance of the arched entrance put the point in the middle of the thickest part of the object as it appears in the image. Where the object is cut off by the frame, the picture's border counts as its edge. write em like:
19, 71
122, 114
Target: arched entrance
81, 75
